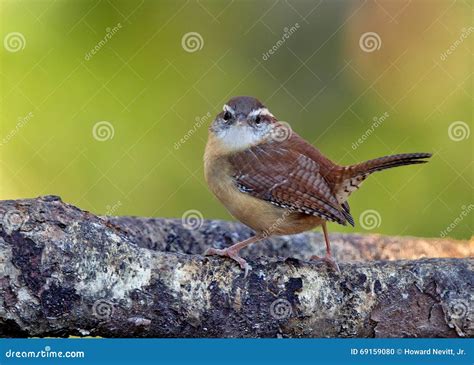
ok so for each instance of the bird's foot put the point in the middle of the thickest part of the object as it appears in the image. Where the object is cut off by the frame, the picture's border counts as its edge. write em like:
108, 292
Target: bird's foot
329, 260
234, 255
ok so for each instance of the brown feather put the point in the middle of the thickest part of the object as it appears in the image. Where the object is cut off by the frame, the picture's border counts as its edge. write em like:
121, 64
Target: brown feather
349, 178
273, 179
283, 174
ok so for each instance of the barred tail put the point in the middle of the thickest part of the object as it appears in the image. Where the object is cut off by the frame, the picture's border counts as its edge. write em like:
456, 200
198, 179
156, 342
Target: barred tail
349, 178
387, 162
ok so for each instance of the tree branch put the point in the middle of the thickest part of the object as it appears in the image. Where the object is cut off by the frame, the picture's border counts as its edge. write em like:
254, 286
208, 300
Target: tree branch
67, 272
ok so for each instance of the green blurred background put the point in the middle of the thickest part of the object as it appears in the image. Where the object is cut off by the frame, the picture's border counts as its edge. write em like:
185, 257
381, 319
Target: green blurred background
151, 90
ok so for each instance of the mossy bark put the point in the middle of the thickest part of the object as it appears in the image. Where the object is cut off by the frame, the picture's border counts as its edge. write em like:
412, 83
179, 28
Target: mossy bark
66, 272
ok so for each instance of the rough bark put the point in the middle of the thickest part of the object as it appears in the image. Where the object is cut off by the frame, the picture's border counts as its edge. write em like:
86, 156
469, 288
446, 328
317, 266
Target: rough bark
67, 272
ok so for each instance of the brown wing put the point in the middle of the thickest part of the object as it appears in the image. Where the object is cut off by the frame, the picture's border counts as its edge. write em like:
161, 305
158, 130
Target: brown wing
287, 178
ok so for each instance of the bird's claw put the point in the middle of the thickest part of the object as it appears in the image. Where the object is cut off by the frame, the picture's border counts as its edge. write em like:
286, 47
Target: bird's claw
232, 254
329, 260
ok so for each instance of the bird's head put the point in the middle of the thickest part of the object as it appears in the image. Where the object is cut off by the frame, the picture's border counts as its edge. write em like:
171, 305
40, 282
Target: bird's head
243, 122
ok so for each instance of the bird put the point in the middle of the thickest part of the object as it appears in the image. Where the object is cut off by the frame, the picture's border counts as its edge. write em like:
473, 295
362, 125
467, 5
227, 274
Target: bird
277, 183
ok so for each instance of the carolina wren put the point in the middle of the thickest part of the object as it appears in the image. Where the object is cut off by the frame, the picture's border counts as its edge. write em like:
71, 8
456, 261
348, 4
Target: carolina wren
277, 183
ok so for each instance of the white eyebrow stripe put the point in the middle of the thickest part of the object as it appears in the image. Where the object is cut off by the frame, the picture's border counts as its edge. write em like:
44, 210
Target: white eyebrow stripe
260, 111
227, 108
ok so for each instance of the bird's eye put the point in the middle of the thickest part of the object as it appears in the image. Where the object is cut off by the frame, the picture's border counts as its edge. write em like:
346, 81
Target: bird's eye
227, 115
258, 119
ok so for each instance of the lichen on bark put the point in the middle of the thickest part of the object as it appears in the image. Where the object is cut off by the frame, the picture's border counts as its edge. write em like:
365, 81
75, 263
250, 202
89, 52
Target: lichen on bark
67, 272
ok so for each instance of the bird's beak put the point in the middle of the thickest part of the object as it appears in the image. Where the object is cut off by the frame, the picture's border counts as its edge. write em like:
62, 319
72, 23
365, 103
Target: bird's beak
240, 120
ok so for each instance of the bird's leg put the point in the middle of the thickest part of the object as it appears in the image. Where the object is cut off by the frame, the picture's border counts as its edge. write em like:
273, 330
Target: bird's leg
233, 251
328, 257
